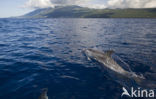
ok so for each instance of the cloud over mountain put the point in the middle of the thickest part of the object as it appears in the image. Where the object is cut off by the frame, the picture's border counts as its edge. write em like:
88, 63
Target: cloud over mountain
38, 4
52, 3
90, 4
131, 3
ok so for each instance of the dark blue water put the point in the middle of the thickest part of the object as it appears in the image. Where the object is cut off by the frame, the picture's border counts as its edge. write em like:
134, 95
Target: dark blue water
47, 53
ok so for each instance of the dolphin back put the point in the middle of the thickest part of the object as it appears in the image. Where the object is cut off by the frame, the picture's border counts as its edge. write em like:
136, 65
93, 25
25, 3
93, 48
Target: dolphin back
44, 94
109, 53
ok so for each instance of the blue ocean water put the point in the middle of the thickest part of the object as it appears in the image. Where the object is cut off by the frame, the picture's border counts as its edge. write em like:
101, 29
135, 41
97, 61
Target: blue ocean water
47, 53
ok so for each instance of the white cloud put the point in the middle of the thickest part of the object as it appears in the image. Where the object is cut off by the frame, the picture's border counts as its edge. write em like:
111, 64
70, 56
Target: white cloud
151, 4
52, 3
89, 3
131, 3
38, 4
96, 6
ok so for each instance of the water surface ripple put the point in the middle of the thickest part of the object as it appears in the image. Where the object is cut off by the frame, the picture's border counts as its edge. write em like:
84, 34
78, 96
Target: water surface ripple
47, 53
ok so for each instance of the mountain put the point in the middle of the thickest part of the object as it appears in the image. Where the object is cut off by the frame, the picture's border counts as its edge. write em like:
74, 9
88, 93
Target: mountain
82, 12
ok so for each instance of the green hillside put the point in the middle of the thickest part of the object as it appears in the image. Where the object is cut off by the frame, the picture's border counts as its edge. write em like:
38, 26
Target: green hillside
123, 13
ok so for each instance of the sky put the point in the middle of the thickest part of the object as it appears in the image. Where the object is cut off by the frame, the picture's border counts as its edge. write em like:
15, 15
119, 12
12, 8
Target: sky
9, 8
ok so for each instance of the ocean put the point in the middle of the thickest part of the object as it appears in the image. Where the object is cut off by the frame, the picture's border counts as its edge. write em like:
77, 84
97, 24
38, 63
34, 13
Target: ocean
48, 53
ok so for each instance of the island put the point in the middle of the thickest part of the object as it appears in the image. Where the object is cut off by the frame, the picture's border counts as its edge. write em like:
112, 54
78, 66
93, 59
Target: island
84, 12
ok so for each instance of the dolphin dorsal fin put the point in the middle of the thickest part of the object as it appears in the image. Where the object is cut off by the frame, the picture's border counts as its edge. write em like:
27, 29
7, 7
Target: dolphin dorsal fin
109, 52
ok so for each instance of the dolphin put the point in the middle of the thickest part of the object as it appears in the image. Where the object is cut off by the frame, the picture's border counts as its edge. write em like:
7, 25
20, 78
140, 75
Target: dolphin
105, 58
44, 94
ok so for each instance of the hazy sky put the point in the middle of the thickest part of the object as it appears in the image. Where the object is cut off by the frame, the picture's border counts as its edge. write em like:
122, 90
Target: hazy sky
12, 8
19, 7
